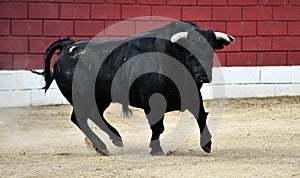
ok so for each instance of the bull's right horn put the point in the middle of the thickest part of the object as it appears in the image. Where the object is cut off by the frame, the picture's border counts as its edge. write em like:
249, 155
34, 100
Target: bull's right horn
223, 36
178, 36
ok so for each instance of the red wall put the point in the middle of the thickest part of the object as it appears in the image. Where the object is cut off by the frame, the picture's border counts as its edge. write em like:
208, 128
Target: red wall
267, 31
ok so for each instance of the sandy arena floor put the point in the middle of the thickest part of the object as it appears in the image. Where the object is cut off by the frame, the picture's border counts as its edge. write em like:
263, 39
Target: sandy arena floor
256, 137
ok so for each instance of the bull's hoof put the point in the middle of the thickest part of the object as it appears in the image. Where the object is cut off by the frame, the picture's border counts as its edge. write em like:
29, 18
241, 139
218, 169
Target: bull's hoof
103, 152
159, 153
156, 149
207, 147
118, 143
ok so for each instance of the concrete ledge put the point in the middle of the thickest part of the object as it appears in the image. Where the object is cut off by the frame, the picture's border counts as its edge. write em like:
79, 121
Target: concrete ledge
15, 98
244, 75
276, 75
287, 89
23, 88
295, 74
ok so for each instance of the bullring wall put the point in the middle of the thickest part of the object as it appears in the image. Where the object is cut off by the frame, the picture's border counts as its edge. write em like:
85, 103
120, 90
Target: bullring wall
267, 39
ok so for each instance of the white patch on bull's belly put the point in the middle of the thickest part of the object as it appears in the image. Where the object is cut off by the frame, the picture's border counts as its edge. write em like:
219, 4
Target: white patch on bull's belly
71, 49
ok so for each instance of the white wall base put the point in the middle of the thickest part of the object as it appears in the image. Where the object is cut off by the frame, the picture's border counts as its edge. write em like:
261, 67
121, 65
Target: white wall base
248, 82
23, 88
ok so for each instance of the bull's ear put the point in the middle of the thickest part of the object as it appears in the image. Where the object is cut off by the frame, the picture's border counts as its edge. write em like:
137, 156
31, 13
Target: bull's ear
178, 36
223, 39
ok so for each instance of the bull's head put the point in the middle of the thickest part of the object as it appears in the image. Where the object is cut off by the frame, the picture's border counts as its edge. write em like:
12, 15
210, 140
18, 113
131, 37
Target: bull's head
202, 43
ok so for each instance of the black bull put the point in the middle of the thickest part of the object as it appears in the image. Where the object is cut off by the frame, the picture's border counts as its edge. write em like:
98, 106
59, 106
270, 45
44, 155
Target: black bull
85, 71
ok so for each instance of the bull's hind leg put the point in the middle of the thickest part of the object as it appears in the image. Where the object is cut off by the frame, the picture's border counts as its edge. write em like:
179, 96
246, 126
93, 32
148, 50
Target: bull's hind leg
98, 144
114, 135
109, 129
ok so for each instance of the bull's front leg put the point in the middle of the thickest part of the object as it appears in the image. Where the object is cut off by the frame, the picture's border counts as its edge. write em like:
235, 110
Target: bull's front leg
155, 113
157, 129
205, 136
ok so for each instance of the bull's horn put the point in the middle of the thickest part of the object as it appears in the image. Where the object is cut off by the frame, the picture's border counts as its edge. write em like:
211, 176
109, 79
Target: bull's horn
223, 36
178, 36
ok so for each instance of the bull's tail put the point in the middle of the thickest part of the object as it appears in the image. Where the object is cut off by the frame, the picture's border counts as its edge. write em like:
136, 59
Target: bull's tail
48, 73
127, 112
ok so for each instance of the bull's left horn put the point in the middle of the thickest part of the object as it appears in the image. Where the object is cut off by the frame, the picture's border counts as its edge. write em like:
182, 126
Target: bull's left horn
223, 36
178, 36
